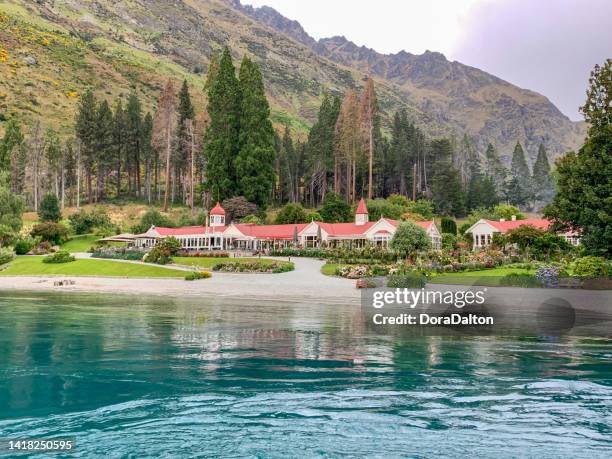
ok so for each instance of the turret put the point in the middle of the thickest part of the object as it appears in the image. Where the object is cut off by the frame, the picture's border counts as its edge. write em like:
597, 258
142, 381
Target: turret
361, 214
217, 216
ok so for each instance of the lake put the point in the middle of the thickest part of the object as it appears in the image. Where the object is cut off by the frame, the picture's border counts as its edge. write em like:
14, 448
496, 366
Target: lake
127, 375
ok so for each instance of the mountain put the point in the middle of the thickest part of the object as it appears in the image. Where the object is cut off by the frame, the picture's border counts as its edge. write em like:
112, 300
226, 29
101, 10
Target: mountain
51, 50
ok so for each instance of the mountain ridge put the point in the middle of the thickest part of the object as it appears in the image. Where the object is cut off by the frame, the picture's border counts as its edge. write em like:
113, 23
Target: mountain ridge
114, 46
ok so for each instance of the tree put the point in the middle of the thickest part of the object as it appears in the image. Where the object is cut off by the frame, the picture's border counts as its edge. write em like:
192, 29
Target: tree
368, 109
523, 236
519, 188
13, 140
584, 187
133, 132
347, 143
254, 163
410, 238
185, 141
495, 169
52, 232
103, 143
291, 213
49, 210
237, 208
152, 217
164, 128
448, 225
447, 192
11, 205
544, 187
221, 142
148, 153
86, 128
335, 209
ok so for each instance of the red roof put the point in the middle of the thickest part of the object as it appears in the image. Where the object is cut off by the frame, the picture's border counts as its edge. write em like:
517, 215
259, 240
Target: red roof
425, 225
188, 230
361, 207
217, 210
270, 231
505, 226
345, 229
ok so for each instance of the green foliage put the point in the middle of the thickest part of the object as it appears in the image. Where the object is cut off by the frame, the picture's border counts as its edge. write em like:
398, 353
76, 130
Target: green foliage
449, 241
254, 266
11, 205
410, 238
524, 236
254, 163
519, 189
195, 275
118, 253
12, 141
222, 134
7, 235
54, 233
549, 244
291, 213
83, 222
506, 211
237, 208
447, 191
24, 245
499, 240
152, 217
335, 209
252, 219
313, 216
543, 184
590, 266
398, 200
59, 257
162, 253
583, 180
410, 280
448, 225
6, 255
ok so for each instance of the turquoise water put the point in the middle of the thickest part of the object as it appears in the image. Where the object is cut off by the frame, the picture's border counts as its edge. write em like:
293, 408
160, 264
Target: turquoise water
144, 376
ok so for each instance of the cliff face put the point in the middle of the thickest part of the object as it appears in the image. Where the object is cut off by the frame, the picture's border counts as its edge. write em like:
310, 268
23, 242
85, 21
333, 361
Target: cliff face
66, 45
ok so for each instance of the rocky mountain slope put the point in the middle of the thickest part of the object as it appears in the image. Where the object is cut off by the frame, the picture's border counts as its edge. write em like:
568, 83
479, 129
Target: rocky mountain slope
50, 50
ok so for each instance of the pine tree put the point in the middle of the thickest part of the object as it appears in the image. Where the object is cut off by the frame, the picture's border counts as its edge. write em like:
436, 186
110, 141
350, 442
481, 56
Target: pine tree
86, 132
347, 147
254, 164
519, 188
495, 170
148, 153
133, 142
447, 191
186, 115
104, 146
119, 135
544, 187
13, 155
221, 142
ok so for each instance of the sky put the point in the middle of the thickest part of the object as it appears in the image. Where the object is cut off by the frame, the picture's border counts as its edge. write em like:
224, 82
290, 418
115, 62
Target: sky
549, 46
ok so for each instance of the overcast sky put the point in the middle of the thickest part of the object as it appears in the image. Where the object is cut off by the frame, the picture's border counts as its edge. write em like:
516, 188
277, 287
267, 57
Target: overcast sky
549, 46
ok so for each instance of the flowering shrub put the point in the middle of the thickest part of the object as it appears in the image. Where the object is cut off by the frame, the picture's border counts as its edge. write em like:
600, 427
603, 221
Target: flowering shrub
253, 267
548, 276
203, 253
6, 255
354, 271
118, 253
590, 267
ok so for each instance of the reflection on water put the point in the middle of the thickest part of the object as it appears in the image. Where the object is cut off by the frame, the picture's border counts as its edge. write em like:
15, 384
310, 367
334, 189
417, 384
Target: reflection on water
145, 375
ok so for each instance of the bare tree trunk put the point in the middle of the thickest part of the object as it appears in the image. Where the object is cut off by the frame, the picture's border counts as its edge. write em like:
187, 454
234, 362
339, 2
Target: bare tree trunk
78, 174
370, 158
167, 190
192, 190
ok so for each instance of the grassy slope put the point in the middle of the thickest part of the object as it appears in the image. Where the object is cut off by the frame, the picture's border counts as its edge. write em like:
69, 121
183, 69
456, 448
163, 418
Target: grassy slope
488, 277
33, 266
80, 243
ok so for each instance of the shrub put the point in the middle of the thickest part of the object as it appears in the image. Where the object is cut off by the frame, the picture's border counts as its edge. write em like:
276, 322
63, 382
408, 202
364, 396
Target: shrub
448, 226
523, 236
412, 280
519, 280
49, 210
506, 211
291, 213
24, 245
55, 233
152, 217
118, 253
6, 255
82, 222
59, 257
313, 216
162, 253
409, 238
195, 275
253, 267
204, 253
590, 266
335, 209
252, 219
7, 235
449, 241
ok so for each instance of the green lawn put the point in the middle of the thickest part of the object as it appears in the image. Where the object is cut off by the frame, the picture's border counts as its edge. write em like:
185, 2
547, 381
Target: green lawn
209, 262
33, 266
486, 277
80, 243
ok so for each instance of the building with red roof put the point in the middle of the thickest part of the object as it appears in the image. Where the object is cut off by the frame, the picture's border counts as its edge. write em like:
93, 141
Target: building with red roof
482, 231
216, 235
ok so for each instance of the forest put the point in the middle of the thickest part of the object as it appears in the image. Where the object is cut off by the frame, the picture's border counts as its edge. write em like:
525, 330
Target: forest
195, 156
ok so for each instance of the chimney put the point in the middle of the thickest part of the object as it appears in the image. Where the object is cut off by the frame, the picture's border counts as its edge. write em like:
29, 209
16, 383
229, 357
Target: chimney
514, 218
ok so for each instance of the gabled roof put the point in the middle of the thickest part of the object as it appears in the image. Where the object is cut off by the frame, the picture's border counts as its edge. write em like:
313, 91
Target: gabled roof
270, 231
217, 210
345, 229
361, 207
505, 226
425, 225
